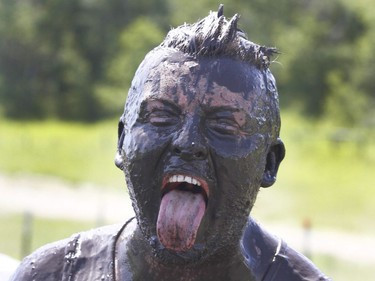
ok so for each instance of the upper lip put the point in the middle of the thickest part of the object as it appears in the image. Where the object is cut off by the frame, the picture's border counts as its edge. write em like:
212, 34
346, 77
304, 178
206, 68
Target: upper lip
177, 177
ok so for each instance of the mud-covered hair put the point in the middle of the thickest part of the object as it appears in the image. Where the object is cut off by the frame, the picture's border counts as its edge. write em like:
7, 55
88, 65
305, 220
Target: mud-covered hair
216, 36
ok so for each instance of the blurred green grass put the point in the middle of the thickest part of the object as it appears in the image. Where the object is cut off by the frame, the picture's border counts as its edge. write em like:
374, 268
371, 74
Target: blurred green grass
342, 270
77, 152
42, 231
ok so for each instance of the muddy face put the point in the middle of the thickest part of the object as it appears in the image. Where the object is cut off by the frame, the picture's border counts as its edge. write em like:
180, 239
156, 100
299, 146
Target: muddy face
197, 133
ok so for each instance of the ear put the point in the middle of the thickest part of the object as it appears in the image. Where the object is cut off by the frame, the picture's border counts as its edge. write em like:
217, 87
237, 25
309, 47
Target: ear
275, 155
119, 158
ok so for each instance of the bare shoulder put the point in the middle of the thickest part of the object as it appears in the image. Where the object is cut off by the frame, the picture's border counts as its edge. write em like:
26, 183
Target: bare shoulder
72, 256
43, 264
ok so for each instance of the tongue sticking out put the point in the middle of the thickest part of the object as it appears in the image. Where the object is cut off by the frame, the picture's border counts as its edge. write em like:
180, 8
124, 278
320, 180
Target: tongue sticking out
179, 218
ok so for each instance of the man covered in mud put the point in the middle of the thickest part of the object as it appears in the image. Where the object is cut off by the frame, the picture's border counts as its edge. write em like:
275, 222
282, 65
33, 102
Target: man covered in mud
198, 138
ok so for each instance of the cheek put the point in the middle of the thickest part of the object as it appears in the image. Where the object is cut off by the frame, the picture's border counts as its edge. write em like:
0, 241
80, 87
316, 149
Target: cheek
143, 151
240, 163
144, 142
238, 148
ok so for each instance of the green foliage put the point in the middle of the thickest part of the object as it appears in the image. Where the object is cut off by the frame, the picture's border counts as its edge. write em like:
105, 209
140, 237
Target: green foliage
54, 54
134, 42
322, 41
316, 39
72, 59
345, 104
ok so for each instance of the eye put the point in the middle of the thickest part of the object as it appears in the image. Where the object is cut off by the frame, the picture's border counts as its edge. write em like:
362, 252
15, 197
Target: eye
162, 117
224, 125
159, 113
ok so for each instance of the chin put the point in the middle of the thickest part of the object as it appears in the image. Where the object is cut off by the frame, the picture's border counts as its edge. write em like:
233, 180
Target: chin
197, 254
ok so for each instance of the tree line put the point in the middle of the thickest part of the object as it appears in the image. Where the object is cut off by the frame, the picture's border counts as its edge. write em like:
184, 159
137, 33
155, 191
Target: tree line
74, 59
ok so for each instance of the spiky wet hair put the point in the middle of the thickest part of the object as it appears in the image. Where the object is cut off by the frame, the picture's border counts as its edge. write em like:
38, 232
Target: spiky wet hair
215, 36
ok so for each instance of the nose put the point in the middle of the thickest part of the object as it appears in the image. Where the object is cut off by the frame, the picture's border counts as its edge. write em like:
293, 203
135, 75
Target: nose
192, 152
189, 144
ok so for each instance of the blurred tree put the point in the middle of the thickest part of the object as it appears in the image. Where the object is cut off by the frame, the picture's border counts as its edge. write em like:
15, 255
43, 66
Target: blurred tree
355, 106
321, 43
135, 41
74, 59
324, 47
19, 59
54, 53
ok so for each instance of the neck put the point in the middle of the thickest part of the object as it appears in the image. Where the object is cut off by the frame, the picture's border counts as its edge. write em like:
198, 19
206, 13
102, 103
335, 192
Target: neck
145, 265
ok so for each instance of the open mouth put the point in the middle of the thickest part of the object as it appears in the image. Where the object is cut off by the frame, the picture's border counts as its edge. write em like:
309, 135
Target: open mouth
185, 183
183, 205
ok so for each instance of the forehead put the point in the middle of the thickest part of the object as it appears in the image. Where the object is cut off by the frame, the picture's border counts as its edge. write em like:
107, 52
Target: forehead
216, 80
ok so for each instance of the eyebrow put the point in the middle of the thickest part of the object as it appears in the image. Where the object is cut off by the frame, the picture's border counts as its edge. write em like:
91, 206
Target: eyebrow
213, 109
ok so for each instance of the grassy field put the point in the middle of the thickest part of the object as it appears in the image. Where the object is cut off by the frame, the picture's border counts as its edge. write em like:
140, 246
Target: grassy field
341, 270
326, 178
73, 151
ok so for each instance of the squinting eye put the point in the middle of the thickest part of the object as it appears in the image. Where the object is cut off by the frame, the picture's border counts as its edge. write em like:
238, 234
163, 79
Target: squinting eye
224, 126
162, 118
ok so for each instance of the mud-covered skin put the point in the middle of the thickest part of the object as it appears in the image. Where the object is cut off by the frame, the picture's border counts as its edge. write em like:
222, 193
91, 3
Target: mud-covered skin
140, 264
209, 118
